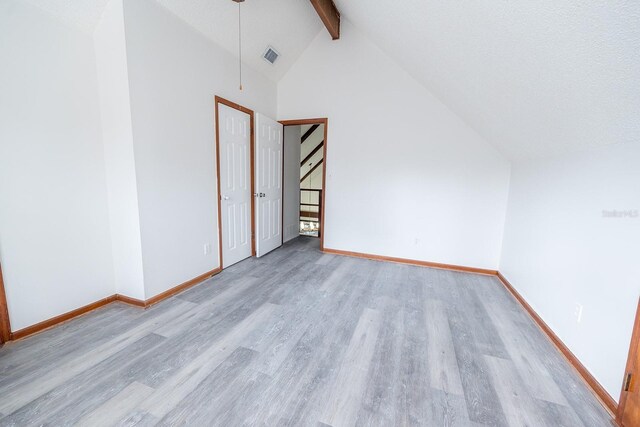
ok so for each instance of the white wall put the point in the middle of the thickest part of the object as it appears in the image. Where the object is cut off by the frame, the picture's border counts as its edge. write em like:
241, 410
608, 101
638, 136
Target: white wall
560, 251
124, 219
174, 73
395, 151
54, 231
291, 190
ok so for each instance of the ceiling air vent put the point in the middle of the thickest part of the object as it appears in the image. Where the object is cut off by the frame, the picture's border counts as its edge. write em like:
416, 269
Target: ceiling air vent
270, 55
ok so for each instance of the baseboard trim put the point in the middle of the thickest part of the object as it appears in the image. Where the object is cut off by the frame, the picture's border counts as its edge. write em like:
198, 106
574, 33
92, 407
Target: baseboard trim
599, 391
49, 323
54, 321
438, 265
130, 301
181, 287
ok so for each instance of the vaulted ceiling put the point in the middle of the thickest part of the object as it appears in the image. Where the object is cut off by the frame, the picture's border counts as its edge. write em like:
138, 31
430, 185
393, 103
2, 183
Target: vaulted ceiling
84, 14
535, 78
286, 25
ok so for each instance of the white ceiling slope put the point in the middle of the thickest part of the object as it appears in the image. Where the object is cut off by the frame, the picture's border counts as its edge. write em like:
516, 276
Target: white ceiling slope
287, 25
535, 78
83, 14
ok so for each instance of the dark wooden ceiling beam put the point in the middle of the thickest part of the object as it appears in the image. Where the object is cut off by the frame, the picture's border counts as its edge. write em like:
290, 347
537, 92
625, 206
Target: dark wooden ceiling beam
329, 15
308, 133
310, 155
311, 171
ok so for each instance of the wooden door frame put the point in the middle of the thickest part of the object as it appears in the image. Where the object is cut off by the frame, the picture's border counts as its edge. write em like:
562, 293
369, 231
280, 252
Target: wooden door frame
317, 121
5, 324
633, 349
230, 104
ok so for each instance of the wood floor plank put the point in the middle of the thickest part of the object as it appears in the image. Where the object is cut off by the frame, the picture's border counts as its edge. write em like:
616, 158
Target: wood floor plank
571, 384
339, 275
239, 289
344, 403
517, 404
483, 331
202, 406
443, 365
73, 399
173, 391
25, 391
483, 405
48, 348
382, 391
276, 350
116, 407
137, 419
301, 386
540, 384
414, 393
448, 410
302, 338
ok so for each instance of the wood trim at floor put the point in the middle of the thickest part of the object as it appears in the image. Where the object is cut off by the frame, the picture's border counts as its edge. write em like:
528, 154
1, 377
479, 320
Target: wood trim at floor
629, 367
181, 287
131, 301
49, 323
5, 324
413, 262
46, 324
599, 391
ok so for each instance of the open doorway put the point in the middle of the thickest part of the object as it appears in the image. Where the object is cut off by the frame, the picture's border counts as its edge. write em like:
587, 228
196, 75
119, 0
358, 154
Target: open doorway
304, 160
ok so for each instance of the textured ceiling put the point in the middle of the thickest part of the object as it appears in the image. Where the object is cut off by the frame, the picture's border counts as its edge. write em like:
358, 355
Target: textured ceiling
535, 78
287, 25
84, 14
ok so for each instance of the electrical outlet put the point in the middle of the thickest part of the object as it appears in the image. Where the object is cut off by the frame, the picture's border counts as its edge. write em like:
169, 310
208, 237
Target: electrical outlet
578, 312
207, 248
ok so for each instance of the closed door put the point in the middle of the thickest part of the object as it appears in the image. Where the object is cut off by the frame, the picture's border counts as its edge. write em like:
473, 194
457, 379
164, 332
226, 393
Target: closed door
268, 184
235, 184
629, 409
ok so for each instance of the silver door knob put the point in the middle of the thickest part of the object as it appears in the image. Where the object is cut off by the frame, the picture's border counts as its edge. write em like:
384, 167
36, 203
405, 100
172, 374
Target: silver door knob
225, 197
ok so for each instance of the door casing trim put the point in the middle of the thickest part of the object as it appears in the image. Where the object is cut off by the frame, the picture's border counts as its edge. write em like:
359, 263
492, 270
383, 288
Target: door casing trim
5, 324
317, 121
219, 100
634, 347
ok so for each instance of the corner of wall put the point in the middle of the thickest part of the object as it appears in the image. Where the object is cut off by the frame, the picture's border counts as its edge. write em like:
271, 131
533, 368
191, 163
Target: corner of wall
117, 135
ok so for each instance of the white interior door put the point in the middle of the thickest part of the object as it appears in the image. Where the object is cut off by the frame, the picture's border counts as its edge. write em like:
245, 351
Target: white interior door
268, 184
235, 184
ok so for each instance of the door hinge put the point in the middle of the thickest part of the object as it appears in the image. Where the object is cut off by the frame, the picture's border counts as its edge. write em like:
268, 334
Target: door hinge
627, 382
